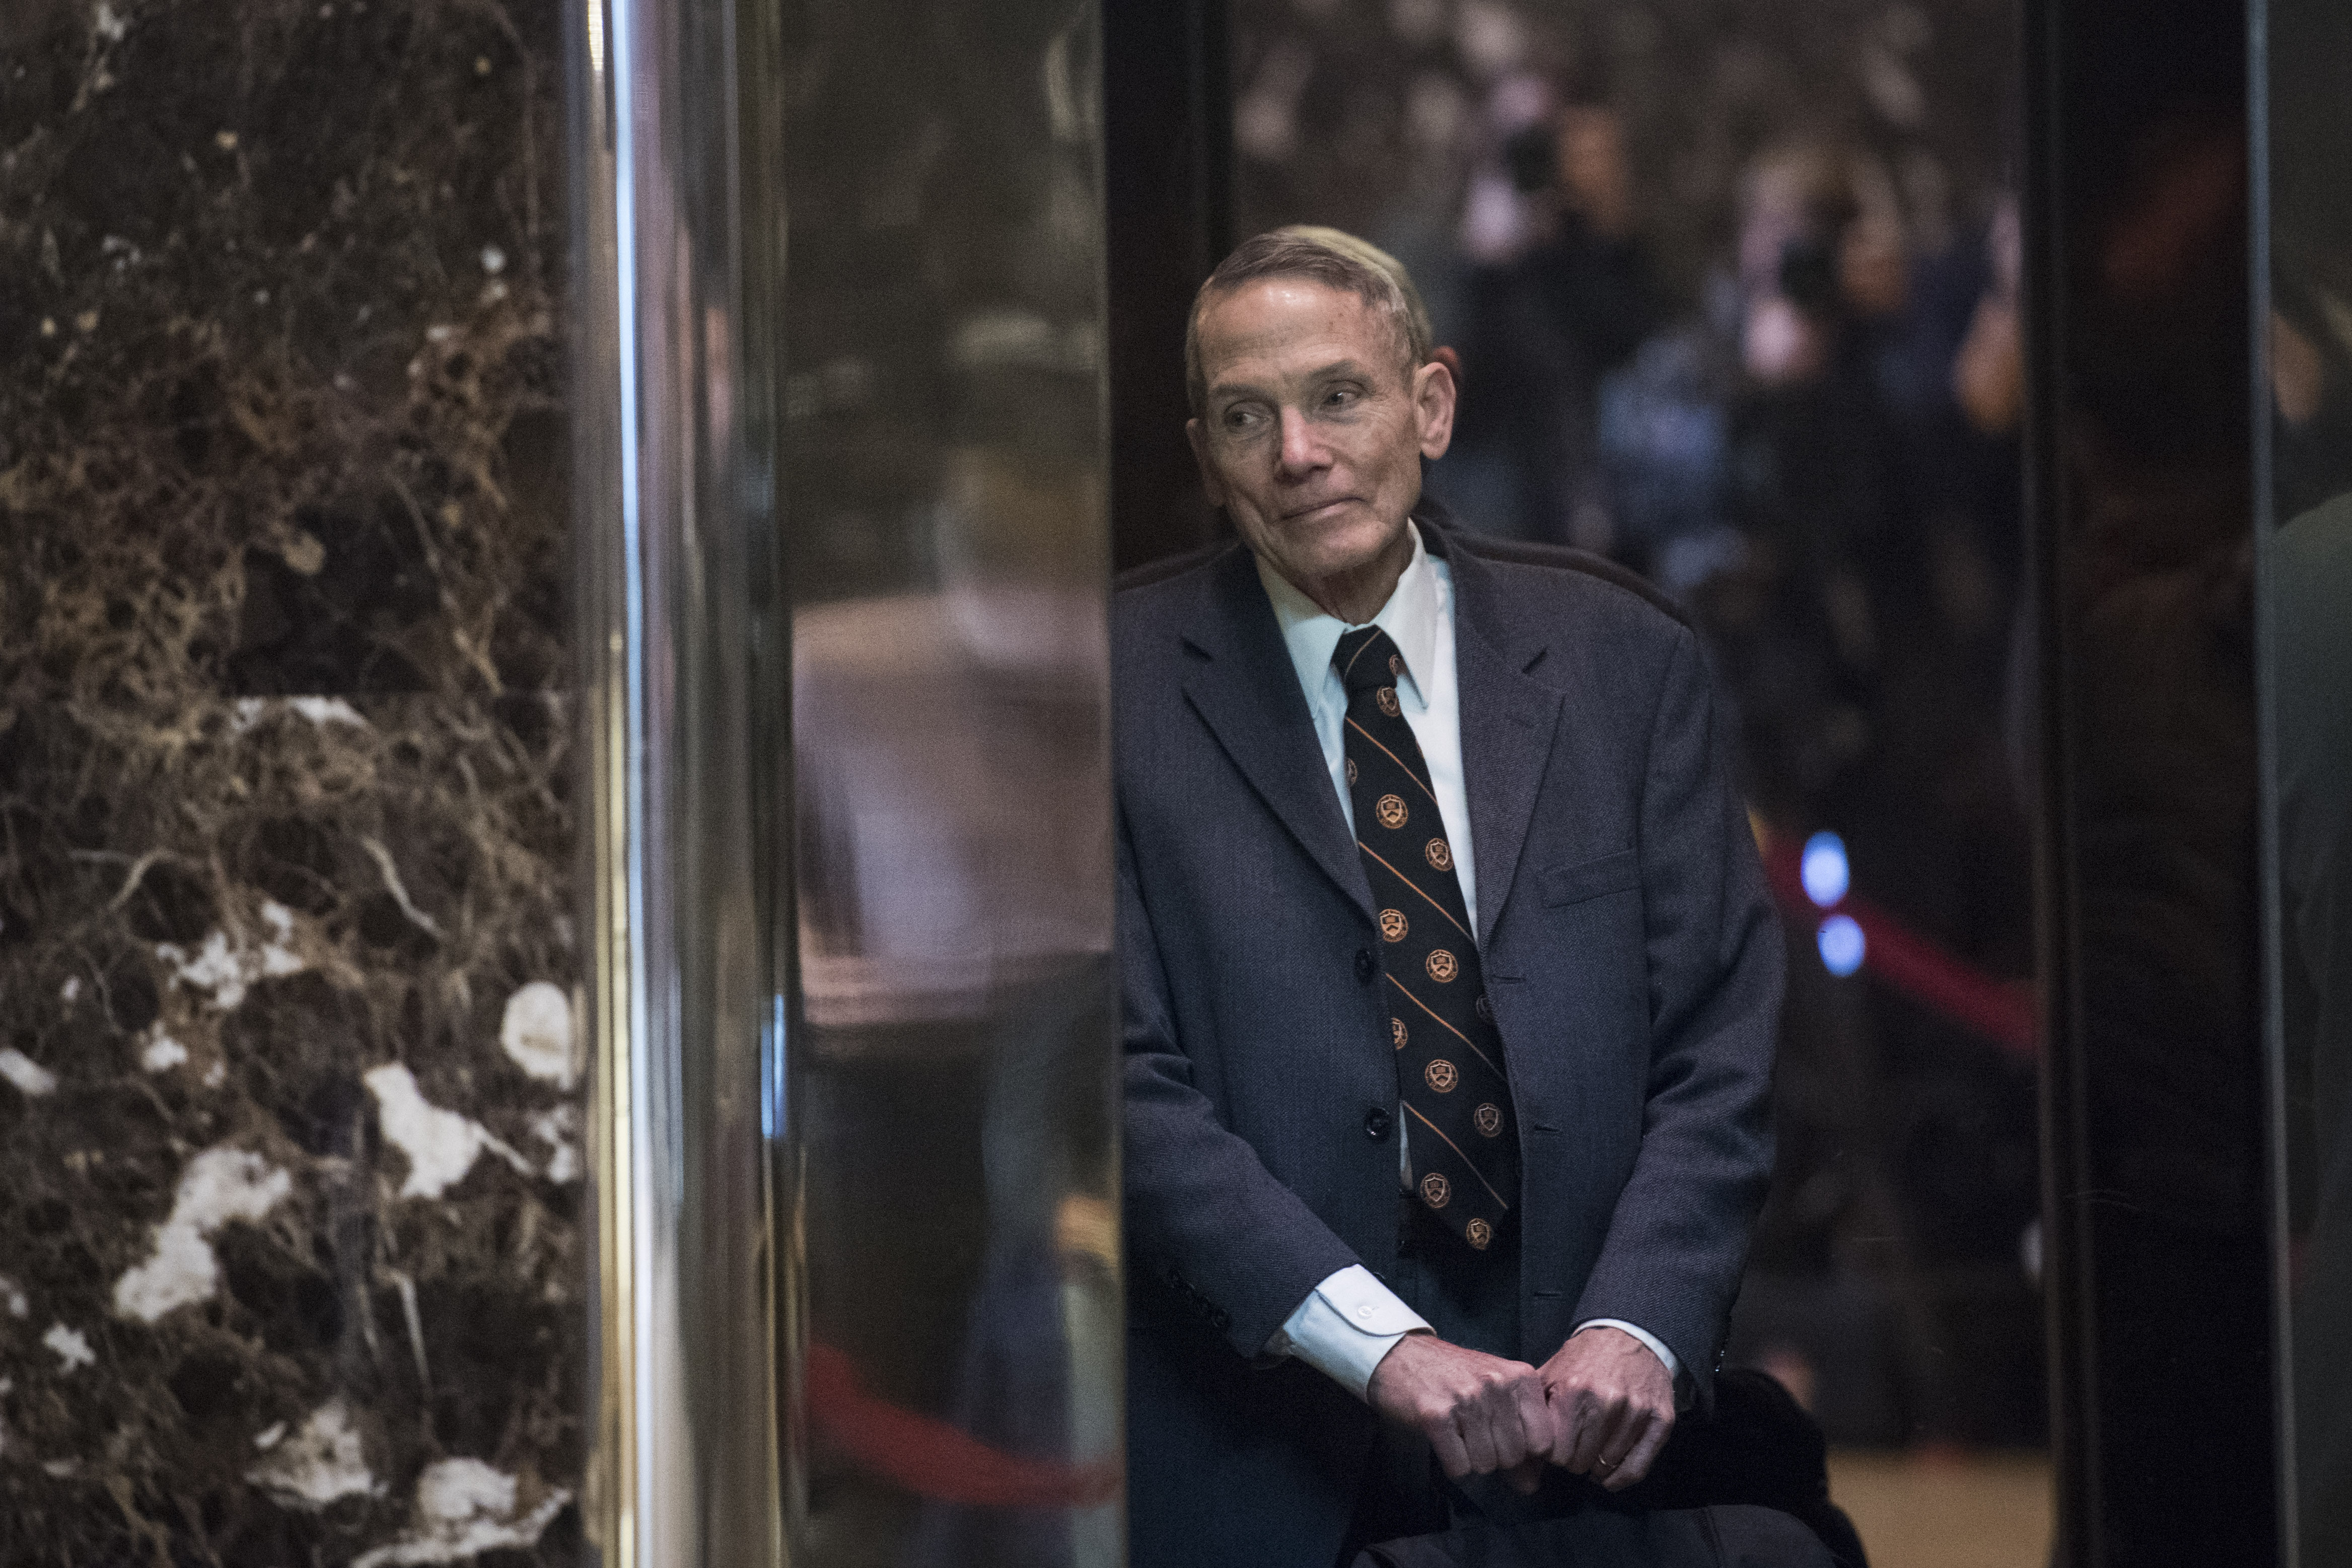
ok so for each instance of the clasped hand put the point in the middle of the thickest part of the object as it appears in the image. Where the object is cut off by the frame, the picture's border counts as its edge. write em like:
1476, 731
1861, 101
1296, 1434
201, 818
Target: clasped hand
1602, 1405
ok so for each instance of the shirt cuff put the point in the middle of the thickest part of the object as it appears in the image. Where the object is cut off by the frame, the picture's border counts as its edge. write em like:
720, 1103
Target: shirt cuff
1345, 1326
1656, 1346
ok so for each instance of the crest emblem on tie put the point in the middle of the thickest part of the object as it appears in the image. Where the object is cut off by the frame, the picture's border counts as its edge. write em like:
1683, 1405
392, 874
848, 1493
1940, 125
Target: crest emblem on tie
1441, 1076
1386, 697
1440, 857
1436, 1189
1351, 770
1485, 1009
1478, 1232
1443, 966
1490, 1118
1396, 664
1391, 811
1392, 924
1398, 1032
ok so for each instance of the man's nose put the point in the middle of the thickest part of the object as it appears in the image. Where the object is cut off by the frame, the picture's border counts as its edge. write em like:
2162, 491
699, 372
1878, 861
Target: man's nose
1302, 451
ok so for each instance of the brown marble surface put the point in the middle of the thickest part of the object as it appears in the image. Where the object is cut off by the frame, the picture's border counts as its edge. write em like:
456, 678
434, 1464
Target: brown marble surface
289, 1119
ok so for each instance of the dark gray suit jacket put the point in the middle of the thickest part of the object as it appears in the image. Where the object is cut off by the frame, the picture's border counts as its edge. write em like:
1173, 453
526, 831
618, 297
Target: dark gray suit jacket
1633, 959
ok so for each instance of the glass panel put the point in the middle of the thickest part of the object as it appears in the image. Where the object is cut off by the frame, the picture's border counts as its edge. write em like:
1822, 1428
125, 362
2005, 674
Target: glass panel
951, 1074
672, 518
2142, 444
2307, 594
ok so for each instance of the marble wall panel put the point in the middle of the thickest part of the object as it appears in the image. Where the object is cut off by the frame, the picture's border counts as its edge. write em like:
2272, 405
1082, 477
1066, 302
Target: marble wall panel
289, 1112
289, 1141
279, 400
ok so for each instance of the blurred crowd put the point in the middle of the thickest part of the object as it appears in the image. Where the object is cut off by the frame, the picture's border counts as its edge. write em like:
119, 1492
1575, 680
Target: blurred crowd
1808, 437
1818, 456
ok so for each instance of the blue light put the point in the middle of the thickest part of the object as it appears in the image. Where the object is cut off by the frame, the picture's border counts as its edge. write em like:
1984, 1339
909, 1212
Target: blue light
1842, 945
1823, 869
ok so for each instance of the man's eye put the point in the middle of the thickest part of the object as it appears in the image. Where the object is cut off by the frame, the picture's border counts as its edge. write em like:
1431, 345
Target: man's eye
1340, 397
1240, 418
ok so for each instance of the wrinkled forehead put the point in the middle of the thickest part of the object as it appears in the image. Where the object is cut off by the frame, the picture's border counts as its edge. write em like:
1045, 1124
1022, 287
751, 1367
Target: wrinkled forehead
1287, 329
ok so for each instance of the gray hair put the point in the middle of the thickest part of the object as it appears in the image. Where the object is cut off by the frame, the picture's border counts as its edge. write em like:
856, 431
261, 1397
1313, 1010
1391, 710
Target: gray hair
1332, 257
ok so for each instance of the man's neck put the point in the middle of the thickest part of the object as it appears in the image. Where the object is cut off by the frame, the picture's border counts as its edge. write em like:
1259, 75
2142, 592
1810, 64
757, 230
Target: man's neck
1358, 595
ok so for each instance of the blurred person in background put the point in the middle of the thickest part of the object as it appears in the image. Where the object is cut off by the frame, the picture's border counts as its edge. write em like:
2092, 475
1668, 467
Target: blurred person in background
1556, 291
1870, 478
1811, 477
955, 971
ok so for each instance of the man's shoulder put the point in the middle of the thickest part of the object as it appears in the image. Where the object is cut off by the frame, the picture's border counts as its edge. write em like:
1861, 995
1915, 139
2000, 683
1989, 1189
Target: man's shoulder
1154, 603
1604, 618
1553, 574
1139, 580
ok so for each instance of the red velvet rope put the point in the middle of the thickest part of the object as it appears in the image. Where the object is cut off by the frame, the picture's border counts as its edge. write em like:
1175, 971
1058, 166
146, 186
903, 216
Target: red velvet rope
932, 1460
2002, 1011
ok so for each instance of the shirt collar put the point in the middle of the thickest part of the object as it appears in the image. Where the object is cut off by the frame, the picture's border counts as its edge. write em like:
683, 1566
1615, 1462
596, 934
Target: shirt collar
1410, 617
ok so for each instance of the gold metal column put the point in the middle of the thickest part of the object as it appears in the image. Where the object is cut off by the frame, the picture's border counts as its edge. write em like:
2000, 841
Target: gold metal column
674, 532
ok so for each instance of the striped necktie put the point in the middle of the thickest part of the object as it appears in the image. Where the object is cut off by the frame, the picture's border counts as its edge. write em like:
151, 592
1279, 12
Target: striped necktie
1450, 1080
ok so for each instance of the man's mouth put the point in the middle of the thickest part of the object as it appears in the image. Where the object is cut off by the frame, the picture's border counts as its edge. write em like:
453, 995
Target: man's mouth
1304, 513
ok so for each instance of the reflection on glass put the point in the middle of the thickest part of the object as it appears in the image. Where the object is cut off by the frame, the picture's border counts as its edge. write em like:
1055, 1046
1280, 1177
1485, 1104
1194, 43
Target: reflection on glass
2308, 584
2137, 219
951, 1078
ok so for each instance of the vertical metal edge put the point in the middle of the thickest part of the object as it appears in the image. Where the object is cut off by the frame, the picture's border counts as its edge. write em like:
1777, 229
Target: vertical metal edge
2066, 1267
2263, 510
1212, 77
611, 1484
741, 1491
762, 219
682, 1463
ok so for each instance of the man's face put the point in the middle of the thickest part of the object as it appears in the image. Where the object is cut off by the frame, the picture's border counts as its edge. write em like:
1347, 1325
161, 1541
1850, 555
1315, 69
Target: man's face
1312, 431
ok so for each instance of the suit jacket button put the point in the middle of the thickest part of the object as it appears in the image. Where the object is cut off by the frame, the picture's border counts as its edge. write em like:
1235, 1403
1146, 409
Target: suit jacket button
1376, 1124
1365, 965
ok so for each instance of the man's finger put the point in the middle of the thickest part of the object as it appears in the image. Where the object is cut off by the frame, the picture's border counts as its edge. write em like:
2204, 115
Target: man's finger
1511, 1442
1477, 1426
1566, 1424
1535, 1417
1445, 1442
1624, 1437
1505, 1405
1598, 1416
1527, 1475
1635, 1466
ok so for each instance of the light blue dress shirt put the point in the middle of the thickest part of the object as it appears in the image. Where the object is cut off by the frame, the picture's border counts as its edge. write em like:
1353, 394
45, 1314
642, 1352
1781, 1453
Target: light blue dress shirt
1350, 1320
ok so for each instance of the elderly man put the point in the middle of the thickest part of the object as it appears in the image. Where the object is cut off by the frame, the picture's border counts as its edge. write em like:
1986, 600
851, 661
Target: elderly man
1449, 977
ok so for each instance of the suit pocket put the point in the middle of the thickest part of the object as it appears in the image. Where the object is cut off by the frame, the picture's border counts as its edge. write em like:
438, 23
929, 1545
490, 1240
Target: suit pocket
1591, 878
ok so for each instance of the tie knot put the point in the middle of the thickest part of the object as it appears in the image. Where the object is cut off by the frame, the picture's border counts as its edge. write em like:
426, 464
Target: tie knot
1367, 658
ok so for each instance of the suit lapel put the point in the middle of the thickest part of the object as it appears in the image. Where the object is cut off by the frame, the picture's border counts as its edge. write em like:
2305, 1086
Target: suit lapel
1246, 691
1507, 721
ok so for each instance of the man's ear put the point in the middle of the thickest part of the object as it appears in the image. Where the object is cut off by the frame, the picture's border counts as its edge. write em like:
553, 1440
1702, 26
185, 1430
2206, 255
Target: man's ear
1432, 407
1209, 480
